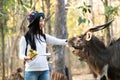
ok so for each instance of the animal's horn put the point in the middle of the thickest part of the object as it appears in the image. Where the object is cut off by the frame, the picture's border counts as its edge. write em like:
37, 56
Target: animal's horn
97, 28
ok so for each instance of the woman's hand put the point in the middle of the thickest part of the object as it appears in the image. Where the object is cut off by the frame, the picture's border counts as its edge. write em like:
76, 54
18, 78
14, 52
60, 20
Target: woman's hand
28, 58
31, 55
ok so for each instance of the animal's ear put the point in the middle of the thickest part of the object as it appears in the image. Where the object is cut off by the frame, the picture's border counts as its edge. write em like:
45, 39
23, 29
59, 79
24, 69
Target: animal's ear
88, 36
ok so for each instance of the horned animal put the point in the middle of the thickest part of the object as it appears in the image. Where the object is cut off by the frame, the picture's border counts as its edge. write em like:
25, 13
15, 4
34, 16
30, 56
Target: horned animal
102, 60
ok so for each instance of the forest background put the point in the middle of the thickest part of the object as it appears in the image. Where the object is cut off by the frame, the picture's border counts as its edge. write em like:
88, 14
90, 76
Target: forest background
64, 19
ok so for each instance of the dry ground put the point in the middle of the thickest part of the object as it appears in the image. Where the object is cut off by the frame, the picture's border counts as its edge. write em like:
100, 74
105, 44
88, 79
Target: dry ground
82, 74
83, 77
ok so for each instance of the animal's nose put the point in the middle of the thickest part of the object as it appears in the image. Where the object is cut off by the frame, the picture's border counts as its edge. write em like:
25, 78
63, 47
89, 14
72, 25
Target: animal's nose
73, 51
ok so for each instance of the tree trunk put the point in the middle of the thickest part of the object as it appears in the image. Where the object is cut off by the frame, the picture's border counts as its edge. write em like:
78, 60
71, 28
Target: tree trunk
107, 38
92, 12
60, 32
2, 33
48, 23
67, 51
3, 61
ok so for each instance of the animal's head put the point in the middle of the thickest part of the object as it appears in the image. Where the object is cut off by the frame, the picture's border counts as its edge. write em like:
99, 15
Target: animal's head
80, 43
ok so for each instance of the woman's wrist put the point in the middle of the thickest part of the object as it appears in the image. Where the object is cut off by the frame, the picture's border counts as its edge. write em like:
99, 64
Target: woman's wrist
28, 58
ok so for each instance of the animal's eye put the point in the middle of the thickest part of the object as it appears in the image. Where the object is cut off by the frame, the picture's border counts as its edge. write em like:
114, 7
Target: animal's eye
81, 36
79, 39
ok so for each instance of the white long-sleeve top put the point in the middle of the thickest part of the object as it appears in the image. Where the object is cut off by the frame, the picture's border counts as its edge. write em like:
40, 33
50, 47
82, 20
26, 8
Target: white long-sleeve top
39, 63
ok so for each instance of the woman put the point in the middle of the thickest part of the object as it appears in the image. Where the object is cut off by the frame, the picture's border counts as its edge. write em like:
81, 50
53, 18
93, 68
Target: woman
36, 68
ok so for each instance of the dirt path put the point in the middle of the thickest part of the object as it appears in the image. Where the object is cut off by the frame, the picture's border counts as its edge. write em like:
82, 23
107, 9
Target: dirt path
83, 77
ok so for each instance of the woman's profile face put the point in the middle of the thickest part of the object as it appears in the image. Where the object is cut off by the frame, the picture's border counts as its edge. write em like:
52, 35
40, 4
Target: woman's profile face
41, 22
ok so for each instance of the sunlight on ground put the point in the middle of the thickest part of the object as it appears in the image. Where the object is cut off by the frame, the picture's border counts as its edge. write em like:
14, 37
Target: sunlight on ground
83, 77
82, 74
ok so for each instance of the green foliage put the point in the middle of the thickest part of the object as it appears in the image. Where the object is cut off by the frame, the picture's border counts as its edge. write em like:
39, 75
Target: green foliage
27, 4
6, 6
81, 20
85, 8
8, 3
21, 2
5, 29
77, 17
111, 11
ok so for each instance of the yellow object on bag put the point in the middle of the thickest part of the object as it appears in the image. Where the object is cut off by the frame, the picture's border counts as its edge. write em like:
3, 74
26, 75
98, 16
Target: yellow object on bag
32, 53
